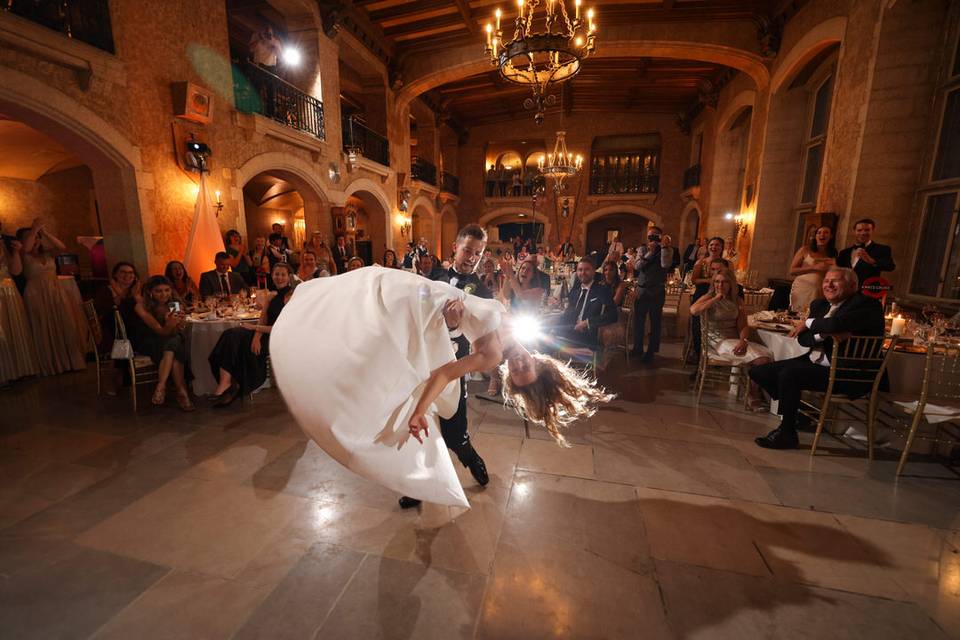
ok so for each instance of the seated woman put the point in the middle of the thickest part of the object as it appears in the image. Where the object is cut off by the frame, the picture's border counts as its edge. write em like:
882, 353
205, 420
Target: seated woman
522, 289
612, 334
163, 338
122, 295
727, 329
183, 285
308, 269
363, 378
356, 262
239, 359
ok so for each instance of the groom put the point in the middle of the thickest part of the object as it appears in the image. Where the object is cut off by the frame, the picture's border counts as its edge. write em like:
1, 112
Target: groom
468, 250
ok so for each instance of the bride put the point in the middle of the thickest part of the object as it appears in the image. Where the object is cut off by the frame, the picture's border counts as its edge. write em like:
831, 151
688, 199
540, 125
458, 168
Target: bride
366, 365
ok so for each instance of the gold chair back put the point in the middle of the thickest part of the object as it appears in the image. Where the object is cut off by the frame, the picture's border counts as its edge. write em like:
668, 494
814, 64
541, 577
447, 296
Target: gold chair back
93, 323
674, 293
941, 374
753, 302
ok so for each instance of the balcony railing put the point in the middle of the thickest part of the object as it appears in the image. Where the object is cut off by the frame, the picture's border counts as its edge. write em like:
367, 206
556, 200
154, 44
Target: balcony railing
625, 173
691, 177
84, 20
373, 145
256, 90
423, 171
449, 183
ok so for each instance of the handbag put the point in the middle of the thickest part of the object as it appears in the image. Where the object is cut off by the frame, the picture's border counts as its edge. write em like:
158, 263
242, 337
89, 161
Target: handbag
122, 348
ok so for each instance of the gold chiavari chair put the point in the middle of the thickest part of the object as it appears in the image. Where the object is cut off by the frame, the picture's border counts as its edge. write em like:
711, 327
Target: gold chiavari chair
142, 369
715, 368
671, 306
626, 317
860, 361
102, 360
755, 301
940, 389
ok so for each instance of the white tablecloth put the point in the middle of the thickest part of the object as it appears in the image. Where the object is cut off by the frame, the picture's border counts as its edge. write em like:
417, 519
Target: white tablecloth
202, 336
905, 370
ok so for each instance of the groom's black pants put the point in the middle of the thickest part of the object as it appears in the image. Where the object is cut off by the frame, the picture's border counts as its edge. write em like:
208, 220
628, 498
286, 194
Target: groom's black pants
454, 430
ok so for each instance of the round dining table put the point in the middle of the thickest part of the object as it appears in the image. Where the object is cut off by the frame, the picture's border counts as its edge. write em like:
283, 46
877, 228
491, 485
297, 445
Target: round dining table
202, 337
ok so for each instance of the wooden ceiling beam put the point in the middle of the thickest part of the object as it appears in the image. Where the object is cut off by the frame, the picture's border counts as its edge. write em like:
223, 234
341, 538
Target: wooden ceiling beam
467, 15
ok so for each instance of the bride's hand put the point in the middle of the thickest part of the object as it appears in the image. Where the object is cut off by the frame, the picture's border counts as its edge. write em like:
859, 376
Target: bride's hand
418, 423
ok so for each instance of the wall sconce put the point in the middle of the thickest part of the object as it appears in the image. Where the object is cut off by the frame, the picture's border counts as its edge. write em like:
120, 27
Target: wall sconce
196, 155
739, 224
404, 223
219, 203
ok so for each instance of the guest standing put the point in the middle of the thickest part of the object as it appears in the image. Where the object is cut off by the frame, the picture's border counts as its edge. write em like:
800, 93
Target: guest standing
239, 260
308, 269
163, 339
325, 262
239, 359
867, 258
48, 307
653, 264
18, 356
809, 264
522, 290
341, 254
260, 263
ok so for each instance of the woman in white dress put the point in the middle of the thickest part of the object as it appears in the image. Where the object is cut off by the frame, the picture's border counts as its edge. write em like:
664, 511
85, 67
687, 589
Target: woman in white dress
391, 370
18, 357
809, 265
728, 331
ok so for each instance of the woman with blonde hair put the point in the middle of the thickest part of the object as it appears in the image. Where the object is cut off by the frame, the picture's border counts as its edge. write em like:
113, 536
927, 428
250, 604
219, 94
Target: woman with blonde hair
728, 331
396, 373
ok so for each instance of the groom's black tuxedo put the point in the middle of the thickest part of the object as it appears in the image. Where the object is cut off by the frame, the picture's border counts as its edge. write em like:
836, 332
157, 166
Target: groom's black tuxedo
454, 429
880, 253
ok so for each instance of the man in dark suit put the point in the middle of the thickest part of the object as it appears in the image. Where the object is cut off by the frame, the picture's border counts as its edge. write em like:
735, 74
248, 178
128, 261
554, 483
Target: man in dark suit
590, 306
221, 281
341, 254
690, 255
844, 312
867, 258
469, 247
654, 262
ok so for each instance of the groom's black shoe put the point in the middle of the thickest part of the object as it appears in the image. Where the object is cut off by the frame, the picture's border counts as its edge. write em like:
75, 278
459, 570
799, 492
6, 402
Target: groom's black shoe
479, 471
780, 438
407, 502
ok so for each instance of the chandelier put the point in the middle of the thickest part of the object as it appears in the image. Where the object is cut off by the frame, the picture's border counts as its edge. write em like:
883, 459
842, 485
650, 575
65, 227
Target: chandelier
544, 49
560, 164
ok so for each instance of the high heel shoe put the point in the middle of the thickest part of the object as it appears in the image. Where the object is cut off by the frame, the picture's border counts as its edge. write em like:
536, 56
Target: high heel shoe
228, 396
159, 395
183, 399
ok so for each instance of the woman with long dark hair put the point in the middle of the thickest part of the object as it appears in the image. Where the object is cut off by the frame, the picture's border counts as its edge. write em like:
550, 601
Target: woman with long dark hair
702, 280
183, 284
163, 339
810, 264
120, 295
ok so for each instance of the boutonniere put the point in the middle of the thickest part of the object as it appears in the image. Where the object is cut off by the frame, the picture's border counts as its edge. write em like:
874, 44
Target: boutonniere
470, 288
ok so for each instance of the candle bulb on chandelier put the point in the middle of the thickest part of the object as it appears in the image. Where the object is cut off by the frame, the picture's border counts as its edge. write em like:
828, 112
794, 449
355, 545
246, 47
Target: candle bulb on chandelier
577, 6
497, 14
489, 35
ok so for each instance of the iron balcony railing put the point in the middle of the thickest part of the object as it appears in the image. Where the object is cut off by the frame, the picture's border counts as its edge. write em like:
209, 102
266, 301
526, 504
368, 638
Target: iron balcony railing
625, 173
691, 177
423, 171
84, 20
373, 145
257, 90
449, 183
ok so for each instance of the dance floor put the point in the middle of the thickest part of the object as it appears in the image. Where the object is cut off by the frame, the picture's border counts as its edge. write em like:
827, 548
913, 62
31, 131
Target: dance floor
662, 521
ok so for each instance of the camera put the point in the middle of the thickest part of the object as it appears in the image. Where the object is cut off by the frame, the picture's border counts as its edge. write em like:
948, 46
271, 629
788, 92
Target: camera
174, 306
654, 237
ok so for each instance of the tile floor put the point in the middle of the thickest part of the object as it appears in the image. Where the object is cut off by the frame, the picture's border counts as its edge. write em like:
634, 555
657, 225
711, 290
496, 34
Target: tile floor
663, 520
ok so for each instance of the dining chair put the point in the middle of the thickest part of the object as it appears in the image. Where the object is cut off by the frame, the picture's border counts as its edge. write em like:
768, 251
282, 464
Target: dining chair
754, 301
626, 318
713, 367
859, 361
671, 306
934, 415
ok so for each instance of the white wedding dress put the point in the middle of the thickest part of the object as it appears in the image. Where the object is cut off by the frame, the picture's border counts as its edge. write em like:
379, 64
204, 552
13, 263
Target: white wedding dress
351, 355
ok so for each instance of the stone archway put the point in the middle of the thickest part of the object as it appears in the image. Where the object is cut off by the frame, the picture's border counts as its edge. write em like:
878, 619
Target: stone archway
648, 215
690, 225
113, 161
424, 223
516, 214
370, 197
449, 228
299, 174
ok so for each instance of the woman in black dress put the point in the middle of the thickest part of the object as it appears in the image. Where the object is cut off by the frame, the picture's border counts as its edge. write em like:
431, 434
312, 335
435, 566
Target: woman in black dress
121, 294
239, 360
163, 340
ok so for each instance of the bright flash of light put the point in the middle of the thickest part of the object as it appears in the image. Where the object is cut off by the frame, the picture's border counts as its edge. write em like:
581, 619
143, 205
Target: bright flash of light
526, 329
291, 56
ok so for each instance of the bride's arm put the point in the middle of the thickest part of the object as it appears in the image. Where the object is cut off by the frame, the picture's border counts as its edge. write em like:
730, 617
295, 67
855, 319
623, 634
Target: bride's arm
487, 354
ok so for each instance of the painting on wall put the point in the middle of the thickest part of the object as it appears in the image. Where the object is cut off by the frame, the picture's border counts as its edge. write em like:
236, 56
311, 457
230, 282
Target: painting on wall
611, 234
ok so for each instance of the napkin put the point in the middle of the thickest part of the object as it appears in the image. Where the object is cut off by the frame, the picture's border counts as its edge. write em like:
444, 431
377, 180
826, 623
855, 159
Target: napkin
932, 413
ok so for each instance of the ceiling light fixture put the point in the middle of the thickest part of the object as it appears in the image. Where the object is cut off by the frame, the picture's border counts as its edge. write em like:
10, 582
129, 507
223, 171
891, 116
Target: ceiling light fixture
546, 48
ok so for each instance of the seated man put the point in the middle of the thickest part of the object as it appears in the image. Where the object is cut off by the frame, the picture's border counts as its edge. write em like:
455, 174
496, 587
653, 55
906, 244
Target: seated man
845, 312
428, 267
221, 281
590, 306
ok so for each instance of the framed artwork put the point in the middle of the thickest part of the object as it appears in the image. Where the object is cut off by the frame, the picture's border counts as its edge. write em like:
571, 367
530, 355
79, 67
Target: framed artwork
338, 223
611, 234
351, 221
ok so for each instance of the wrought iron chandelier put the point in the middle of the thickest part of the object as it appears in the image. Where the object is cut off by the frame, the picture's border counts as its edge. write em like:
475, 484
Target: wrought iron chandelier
560, 164
545, 49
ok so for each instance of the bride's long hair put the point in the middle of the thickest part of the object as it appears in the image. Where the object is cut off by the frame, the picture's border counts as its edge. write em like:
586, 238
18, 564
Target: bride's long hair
558, 397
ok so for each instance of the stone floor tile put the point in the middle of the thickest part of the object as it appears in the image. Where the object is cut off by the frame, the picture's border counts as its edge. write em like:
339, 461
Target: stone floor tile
390, 598
549, 457
64, 445
241, 459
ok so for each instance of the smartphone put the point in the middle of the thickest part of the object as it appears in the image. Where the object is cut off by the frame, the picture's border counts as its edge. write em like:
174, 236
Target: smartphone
174, 306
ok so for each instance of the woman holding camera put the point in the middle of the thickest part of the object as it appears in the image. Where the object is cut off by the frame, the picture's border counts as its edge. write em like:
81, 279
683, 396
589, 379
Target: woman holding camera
55, 331
239, 360
163, 339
